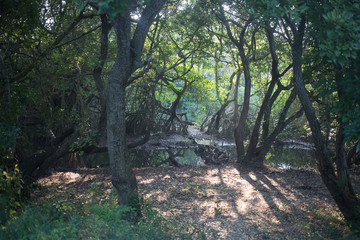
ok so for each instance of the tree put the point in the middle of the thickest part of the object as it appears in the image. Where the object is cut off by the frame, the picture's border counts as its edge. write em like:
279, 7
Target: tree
298, 19
130, 44
240, 42
221, 72
248, 31
34, 37
176, 45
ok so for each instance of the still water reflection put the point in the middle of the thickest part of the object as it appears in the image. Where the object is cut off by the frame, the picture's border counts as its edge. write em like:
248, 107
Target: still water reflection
286, 158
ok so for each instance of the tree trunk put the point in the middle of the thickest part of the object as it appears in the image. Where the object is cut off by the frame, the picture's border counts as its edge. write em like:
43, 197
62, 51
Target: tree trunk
123, 177
97, 72
34, 166
267, 114
240, 128
338, 185
236, 96
7, 94
172, 111
256, 130
275, 77
214, 125
282, 124
129, 52
239, 132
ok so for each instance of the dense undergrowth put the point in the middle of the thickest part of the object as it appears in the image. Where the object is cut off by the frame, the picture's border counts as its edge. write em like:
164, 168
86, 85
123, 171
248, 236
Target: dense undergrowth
74, 219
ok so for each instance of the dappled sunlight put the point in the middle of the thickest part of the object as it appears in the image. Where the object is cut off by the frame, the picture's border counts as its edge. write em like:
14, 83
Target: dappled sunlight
147, 181
158, 196
253, 176
223, 201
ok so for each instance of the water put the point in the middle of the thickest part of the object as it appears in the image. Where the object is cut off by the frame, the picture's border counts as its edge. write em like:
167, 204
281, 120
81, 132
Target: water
159, 158
145, 158
286, 156
291, 158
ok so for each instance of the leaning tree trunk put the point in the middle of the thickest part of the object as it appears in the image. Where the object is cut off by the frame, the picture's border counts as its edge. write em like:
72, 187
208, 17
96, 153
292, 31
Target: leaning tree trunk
281, 125
214, 125
254, 139
339, 184
172, 111
239, 132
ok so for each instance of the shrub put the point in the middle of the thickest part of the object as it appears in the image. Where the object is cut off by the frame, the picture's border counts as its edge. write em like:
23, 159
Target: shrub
65, 220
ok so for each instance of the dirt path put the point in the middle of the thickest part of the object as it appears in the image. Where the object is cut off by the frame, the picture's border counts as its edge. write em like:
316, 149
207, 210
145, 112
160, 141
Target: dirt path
223, 201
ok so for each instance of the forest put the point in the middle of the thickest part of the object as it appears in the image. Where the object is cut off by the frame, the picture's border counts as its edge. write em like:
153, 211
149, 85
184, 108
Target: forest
181, 119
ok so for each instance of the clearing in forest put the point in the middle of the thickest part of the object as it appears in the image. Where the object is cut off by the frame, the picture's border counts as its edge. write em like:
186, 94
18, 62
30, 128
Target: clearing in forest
225, 201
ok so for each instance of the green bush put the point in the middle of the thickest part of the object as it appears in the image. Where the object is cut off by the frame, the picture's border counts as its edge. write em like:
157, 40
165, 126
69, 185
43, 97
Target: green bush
10, 192
11, 183
65, 220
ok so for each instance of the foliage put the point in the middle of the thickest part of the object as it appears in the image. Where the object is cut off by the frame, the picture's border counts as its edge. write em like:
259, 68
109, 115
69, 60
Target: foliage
112, 7
336, 43
19, 15
187, 55
73, 220
11, 185
87, 140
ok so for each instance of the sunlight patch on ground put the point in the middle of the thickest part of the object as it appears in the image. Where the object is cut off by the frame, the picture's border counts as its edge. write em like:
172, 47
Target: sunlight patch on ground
146, 181
70, 177
223, 201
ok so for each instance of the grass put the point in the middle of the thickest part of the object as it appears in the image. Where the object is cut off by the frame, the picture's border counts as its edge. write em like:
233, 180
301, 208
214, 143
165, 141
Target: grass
71, 218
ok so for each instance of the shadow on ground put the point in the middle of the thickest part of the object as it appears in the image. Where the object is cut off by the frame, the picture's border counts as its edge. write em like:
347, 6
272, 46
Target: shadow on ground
224, 202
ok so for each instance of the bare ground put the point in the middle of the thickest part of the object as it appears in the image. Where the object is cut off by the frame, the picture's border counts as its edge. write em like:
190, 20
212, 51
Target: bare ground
225, 202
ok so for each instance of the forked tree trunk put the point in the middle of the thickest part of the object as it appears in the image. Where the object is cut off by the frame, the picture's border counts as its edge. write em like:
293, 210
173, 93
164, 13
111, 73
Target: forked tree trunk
281, 125
254, 139
129, 51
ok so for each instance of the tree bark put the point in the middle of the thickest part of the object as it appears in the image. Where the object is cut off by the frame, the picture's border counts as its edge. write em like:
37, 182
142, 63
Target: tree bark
338, 184
214, 125
282, 124
7, 94
174, 105
128, 59
275, 78
267, 114
236, 96
97, 74
172, 111
239, 132
240, 128
123, 177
